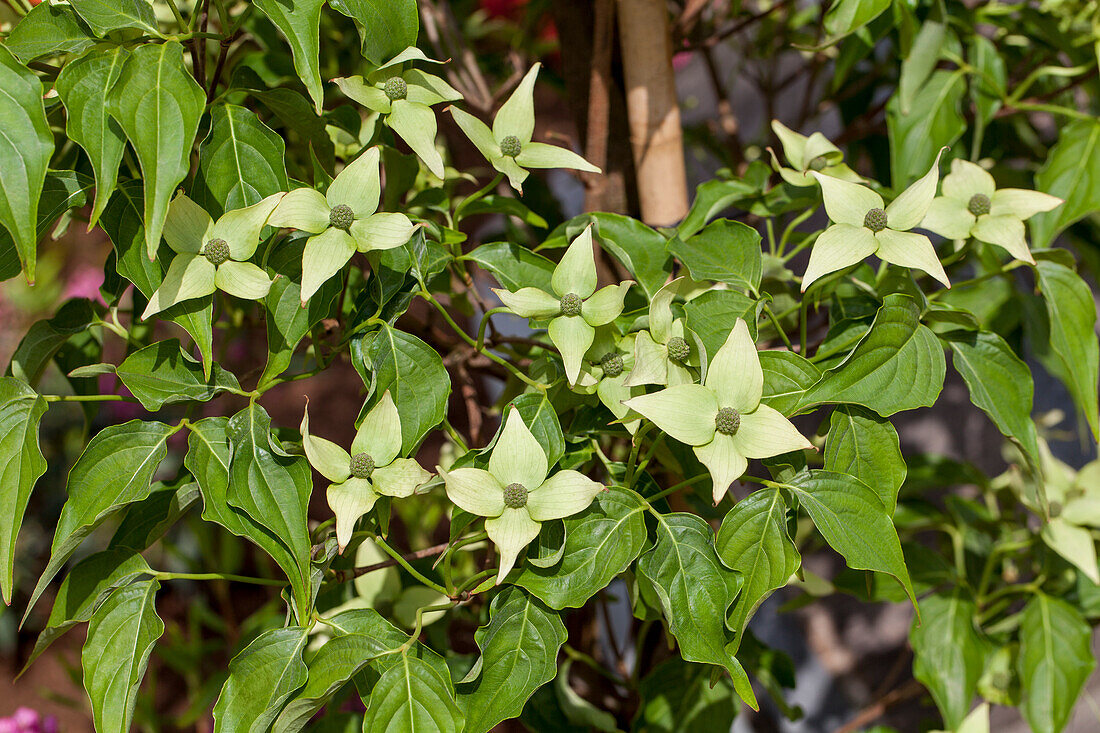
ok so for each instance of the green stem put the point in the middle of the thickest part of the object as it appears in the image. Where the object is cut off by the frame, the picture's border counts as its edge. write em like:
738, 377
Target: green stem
635, 446
420, 623
475, 580
474, 197
87, 398
405, 564
484, 323
676, 487
455, 436
789, 230
778, 328
163, 575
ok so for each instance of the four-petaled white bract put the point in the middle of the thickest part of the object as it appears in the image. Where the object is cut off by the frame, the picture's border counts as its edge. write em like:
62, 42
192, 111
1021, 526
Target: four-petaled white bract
805, 154
379, 438
690, 413
519, 461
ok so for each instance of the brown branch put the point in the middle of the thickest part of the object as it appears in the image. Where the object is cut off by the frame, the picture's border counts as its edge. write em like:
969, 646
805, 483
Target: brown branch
599, 104
343, 576
721, 35
878, 708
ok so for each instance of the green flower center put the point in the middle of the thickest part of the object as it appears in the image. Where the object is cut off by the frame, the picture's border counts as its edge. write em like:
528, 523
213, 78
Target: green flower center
612, 364
511, 146
515, 496
818, 164
341, 216
979, 204
570, 304
216, 251
727, 421
396, 88
1055, 509
362, 465
875, 220
678, 349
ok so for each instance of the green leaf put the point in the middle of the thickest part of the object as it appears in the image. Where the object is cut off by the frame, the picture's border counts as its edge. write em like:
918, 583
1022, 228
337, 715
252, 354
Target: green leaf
846, 16
62, 191
898, 365
46, 337
86, 585
48, 29
853, 520
514, 266
386, 27
261, 679
679, 697
1054, 662
725, 251
158, 104
987, 85
1000, 384
163, 373
1071, 312
934, 121
1071, 172
753, 540
695, 591
949, 655
21, 463
121, 635
414, 374
787, 376
115, 470
25, 150
920, 62
361, 637
600, 543
273, 489
300, 22
146, 521
208, 461
519, 651
412, 695
104, 16
712, 198
711, 316
639, 247
83, 86
864, 445
288, 322
240, 161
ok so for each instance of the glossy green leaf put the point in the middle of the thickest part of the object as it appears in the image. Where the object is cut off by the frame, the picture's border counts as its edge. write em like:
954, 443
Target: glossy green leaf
1000, 383
724, 251
104, 16
86, 585
1071, 172
46, 30
121, 635
514, 266
300, 22
1071, 312
638, 247
695, 593
898, 365
787, 376
1054, 662
163, 373
25, 150
712, 198
519, 651
21, 463
935, 120
146, 521
864, 445
920, 62
46, 337
288, 322
83, 86
853, 520
753, 540
386, 27
208, 461
414, 374
949, 655
600, 543
846, 16
413, 695
115, 470
158, 105
62, 191
361, 636
711, 316
679, 697
261, 679
240, 161
272, 488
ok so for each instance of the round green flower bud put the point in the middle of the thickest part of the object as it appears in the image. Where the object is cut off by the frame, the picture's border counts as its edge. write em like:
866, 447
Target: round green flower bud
216, 251
511, 146
727, 421
570, 304
612, 364
341, 216
362, 465
515, 496
396, 88
979, 204
818, 164
1055, 509
875, 220
678, 349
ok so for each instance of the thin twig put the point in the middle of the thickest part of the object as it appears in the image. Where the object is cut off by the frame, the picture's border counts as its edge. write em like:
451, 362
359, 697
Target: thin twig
342, 576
